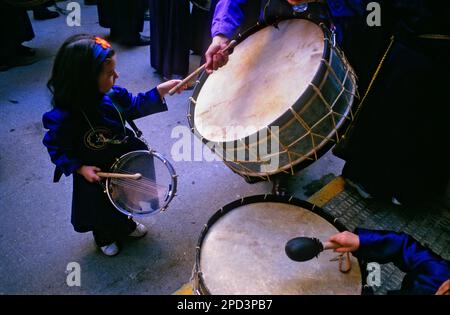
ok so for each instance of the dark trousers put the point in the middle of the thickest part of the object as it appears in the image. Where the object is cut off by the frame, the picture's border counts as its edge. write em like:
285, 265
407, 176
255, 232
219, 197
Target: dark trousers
170, 36
15, 28
124, 18
107, 234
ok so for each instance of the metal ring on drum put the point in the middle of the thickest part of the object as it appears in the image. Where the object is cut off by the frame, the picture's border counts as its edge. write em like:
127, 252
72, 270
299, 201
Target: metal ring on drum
149, 194
241, 250
284, 96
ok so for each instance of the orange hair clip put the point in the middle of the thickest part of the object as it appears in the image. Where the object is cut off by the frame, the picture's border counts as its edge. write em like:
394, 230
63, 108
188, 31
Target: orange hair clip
102, 42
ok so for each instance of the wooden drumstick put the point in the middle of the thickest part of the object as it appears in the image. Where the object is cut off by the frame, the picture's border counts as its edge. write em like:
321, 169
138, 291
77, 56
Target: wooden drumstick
330, 245
117, 175
175, 89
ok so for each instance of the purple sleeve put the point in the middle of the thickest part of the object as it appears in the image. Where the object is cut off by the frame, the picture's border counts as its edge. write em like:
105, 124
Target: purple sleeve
57, 141
141, 105
228, 16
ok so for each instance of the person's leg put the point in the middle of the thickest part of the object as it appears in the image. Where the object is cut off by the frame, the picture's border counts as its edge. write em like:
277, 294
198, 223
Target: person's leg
15, 28
176, 52
42, 12
106, 236
158, 22
128, 22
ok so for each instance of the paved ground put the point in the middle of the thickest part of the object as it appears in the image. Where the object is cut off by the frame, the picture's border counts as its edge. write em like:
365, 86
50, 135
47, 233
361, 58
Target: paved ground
428, 223
36, 238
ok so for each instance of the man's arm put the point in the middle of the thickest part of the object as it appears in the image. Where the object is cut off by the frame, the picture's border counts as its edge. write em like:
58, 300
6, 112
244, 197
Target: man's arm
228, 16
386, 246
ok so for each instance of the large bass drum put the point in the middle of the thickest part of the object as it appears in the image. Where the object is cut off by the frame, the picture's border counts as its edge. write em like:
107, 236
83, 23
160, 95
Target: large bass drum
241, 250
279, 103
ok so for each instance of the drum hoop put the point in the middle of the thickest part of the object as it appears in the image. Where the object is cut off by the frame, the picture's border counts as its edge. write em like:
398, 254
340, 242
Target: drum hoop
199, 285
171, 193
317, 80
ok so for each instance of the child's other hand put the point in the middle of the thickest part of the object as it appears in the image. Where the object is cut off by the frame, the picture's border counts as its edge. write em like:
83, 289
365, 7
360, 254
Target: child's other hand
348, 241
89, 173
165, 87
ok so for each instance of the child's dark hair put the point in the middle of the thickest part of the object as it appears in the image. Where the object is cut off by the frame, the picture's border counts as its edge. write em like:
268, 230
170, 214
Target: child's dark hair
74, 79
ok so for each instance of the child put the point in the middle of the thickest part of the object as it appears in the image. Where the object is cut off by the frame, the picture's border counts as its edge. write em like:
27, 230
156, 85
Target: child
86, 132
426, 273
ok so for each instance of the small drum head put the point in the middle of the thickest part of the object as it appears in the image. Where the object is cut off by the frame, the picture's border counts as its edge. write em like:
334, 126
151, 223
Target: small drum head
147, 195
266, 74
243, 253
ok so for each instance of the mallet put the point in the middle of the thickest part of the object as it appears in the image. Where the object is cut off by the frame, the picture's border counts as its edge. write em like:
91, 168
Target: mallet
306, 248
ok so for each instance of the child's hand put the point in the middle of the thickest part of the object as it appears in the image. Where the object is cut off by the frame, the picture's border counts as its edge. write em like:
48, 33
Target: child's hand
349, 242
89, 173
165, 87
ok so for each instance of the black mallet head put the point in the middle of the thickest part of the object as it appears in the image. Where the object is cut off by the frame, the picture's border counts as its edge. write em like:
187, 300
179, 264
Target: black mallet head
303, 248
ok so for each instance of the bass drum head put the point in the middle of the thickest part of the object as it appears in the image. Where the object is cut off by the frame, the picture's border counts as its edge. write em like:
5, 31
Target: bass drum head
243, 252
266, 74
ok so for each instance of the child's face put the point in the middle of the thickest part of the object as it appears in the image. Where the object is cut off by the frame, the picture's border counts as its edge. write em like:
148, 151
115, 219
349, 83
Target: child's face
108, 75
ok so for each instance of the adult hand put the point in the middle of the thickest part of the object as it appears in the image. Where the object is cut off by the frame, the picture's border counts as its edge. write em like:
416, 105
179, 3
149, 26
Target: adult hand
215, 57
348, 242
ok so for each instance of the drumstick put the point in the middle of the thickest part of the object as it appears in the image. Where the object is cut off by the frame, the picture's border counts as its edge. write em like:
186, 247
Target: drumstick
330, 245
175, 89
306, 248
117, 175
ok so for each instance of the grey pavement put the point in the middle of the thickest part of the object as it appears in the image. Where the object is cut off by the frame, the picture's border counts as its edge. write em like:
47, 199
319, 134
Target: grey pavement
37, 241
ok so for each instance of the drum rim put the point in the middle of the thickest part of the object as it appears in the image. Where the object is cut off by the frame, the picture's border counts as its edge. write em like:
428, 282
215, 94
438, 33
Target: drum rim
318, 78
199, 285
171, 193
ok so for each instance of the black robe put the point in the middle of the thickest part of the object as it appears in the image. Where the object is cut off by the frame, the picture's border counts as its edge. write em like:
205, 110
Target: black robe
399, 145
124, 18
170, 36
15, 28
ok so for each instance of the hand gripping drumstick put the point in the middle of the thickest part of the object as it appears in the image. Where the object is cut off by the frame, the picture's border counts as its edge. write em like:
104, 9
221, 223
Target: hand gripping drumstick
306, 248
231, 45
116, 175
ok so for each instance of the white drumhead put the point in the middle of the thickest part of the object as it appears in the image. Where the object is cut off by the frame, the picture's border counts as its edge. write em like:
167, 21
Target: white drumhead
265, 75
243, 253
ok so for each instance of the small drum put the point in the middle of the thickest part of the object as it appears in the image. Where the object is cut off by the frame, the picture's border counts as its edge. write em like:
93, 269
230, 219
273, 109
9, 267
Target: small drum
149, 194
283, 97
241, 250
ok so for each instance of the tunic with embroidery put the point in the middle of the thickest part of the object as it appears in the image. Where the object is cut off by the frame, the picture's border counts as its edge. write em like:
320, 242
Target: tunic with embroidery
74, 140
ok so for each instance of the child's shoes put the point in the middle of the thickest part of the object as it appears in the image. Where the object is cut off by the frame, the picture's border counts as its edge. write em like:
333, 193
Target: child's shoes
139, 231
110, 250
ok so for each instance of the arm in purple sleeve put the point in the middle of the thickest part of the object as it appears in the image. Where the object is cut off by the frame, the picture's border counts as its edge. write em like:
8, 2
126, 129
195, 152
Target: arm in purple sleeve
58, 143
399, 248
228, 16
141, 105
